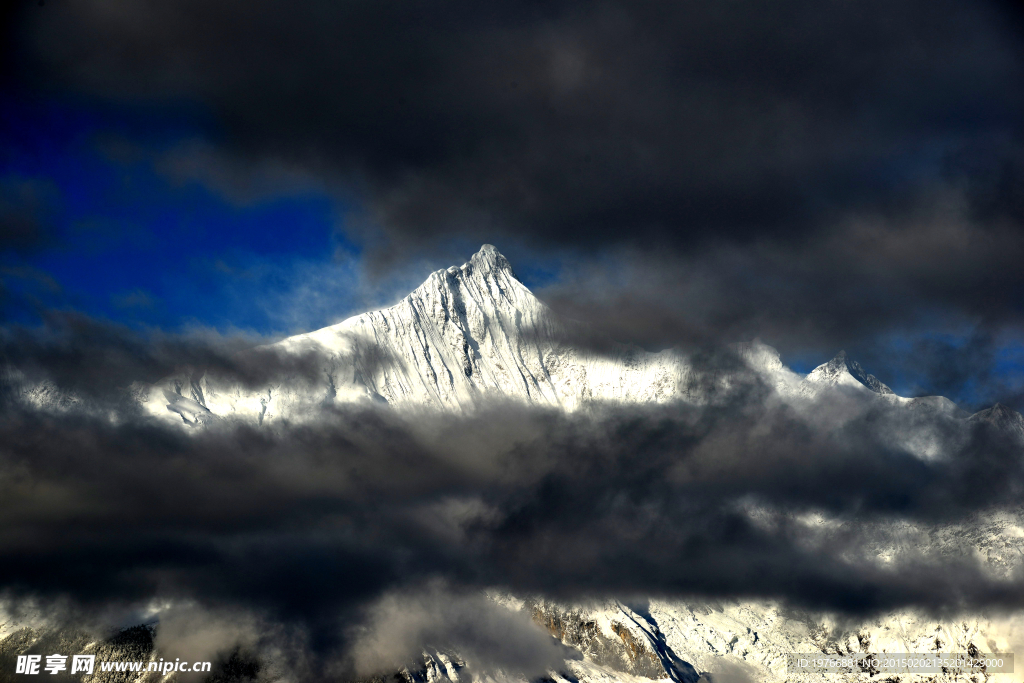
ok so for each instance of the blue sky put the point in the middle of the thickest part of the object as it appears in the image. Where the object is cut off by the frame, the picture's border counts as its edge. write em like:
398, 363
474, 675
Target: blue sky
136, 246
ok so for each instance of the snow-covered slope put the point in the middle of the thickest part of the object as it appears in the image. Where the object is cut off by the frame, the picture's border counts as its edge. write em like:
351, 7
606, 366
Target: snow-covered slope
475, 330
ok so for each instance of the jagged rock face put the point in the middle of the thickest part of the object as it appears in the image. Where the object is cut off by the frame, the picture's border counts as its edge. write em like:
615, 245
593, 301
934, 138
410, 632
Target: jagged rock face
620, 650
437, 667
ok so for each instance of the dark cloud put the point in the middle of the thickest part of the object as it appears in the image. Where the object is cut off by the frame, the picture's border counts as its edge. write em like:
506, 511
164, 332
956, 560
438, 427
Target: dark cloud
27, 209
303, 520
819, 174
300, 532
577, 124
945, 288
101, 360
468, 624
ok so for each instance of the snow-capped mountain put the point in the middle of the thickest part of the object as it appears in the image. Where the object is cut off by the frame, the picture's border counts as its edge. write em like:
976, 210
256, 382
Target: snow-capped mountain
1002, 418
842, 371
465, 334
475, 331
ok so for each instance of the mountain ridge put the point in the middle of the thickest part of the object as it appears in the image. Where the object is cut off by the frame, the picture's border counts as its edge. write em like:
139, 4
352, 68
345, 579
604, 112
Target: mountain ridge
475, 331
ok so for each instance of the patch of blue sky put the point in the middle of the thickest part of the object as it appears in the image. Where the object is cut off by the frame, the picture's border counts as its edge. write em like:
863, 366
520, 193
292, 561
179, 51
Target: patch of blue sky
971, 368
803, 362
139, 247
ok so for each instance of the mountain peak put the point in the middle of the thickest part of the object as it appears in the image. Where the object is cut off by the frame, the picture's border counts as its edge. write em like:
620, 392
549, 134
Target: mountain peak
1002, 417
845, 371
1001, 412
489, 259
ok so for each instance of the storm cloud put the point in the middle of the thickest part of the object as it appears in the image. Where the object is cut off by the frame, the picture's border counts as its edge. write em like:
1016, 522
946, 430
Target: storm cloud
575, 122
306, 518
316, 537
822, 175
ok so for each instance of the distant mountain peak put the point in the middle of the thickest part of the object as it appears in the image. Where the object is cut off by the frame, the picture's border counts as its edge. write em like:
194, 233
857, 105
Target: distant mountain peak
1002, 417
842, 370
487, 274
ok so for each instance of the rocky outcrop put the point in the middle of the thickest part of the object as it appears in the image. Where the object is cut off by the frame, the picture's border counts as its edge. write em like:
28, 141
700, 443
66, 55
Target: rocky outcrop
614, 636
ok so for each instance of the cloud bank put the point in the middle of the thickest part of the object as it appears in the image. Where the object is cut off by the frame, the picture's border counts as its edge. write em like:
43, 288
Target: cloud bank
309, 518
